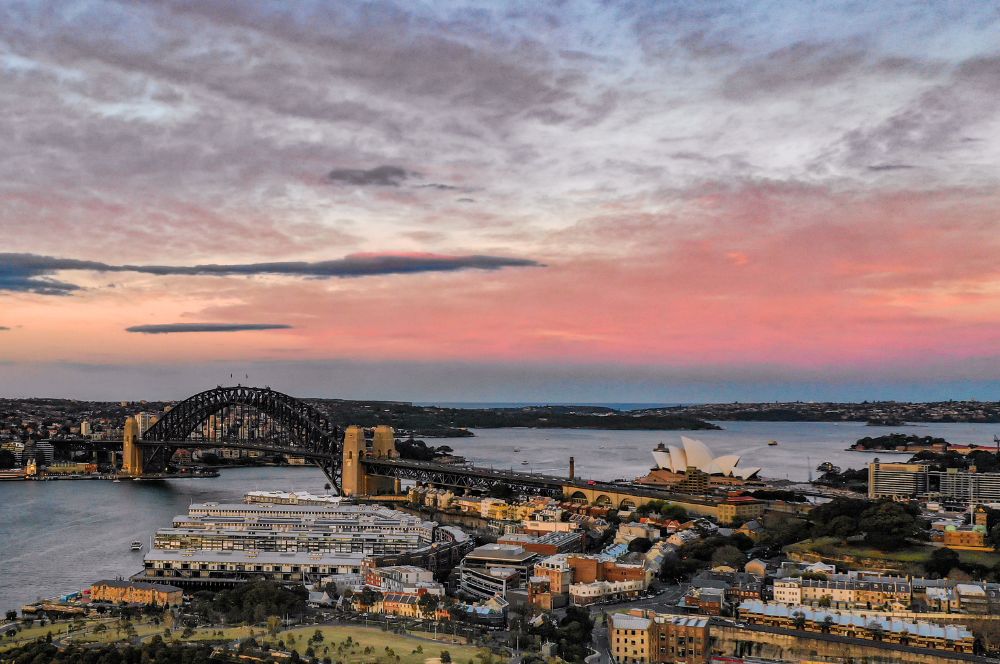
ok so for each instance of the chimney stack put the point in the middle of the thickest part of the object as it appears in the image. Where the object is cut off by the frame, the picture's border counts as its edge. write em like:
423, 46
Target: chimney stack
572, 468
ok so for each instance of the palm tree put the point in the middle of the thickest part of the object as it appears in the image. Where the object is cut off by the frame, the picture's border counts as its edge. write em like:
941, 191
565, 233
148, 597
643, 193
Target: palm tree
827, 624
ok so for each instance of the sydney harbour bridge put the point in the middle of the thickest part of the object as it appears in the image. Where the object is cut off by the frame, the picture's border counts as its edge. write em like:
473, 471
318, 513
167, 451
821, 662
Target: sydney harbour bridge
267, 421
264, 420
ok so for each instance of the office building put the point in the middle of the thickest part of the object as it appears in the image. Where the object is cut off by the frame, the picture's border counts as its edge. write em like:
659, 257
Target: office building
918, 481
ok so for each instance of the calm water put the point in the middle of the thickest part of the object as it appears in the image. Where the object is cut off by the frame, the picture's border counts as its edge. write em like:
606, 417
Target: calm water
58, 536
607, 455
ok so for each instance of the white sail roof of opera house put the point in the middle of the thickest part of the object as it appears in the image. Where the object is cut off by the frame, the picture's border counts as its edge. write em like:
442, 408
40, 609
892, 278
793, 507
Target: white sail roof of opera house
696, 453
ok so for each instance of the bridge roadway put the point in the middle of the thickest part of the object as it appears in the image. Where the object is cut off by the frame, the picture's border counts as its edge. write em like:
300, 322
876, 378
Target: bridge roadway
462, 476
474, 477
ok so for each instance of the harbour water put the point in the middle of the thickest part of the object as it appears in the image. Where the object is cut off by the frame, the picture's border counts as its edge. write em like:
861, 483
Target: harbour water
57, 536
607, 455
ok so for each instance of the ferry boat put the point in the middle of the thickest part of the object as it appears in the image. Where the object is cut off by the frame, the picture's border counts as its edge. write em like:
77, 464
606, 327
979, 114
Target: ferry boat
136, 545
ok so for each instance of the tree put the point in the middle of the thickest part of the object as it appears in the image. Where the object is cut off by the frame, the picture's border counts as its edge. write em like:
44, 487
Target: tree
428, 604
941, 561
827, 624
888, 525
445, 657
728, 555
640, 544
12, 615
799, 620
7, 459
825, 602
994, 537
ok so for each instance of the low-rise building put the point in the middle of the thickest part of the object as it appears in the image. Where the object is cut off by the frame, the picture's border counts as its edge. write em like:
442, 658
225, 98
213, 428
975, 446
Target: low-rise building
597, 592
739, 509
630, 531
845, 591
859, 625
547, 544
973, 537
136, 592
645, 637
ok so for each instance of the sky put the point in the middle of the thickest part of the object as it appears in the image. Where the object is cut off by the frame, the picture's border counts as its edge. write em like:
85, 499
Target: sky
566, 201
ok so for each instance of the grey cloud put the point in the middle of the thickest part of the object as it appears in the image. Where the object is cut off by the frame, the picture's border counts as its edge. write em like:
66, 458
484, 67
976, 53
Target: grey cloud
440, 187
380, 176
30, 272
171, 328
936, 121
890, 167
791, 67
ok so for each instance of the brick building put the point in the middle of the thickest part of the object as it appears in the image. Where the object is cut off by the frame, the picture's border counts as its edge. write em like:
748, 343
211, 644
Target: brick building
136, 592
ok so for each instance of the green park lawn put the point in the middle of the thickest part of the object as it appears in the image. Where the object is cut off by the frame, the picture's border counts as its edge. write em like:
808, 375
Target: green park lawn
31, 633
402, 646
909, 557
298, 638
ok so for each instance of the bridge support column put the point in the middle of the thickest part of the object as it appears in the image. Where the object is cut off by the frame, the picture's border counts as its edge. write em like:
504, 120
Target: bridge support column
131, 451
353, 475
383, 447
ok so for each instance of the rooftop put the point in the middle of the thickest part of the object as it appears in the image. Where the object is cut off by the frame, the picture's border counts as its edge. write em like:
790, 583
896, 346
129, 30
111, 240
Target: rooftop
140, 585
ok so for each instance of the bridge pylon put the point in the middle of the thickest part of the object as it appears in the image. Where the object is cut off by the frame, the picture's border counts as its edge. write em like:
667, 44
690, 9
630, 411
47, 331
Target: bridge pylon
132, 460
355, 479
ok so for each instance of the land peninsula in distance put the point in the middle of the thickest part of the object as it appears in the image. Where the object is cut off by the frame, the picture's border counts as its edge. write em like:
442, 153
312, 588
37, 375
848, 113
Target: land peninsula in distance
430, 421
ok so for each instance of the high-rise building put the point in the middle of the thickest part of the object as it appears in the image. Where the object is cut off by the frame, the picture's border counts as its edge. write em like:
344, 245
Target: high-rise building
145, 420
917, 480
85, 428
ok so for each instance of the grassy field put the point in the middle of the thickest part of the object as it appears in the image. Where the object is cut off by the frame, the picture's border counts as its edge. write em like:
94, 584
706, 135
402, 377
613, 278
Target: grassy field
31, 633
368, 644
379, 644
909, 559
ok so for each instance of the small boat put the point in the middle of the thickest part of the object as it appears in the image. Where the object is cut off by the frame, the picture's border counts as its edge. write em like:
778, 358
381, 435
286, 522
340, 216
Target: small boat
517, 449
524, 463
136, 545
772, 443
116, 481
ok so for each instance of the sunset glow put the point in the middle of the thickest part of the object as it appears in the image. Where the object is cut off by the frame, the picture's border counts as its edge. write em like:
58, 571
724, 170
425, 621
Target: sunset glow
641, 201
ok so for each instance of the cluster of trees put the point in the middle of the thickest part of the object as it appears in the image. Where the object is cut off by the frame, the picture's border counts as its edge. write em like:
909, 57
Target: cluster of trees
896, 440
855, 480
779, 494
252, 602
884, 524
984, 460
661, 509
571, 634
943, 562
7, 460
155, 650
418, 450
710, 551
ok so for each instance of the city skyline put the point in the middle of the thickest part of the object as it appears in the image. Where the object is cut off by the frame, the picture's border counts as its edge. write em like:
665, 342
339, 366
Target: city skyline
473, 202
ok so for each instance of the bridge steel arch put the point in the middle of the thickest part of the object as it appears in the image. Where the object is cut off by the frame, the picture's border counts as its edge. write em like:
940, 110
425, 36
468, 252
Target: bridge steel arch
307, 432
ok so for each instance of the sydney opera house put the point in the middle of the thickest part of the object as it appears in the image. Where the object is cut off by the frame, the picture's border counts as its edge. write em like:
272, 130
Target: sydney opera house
679, 466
